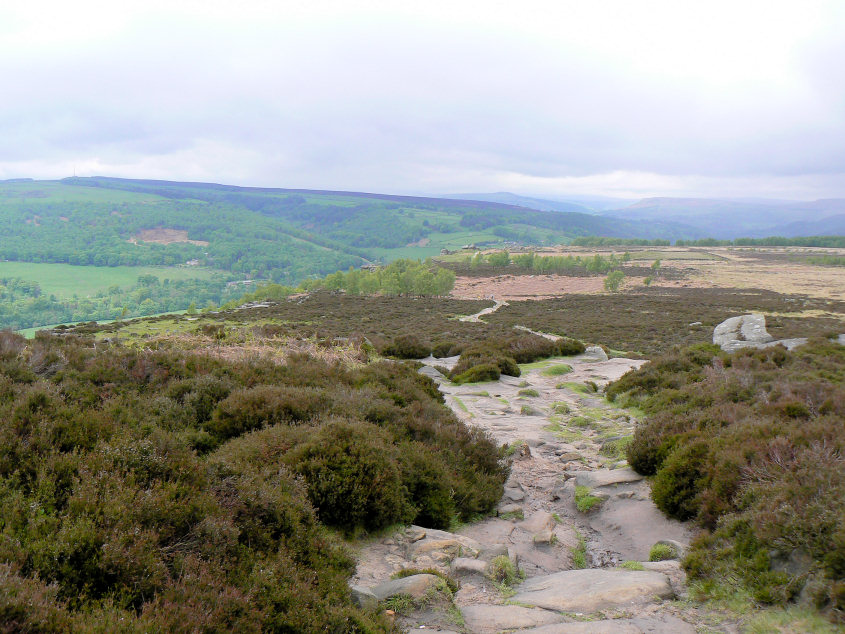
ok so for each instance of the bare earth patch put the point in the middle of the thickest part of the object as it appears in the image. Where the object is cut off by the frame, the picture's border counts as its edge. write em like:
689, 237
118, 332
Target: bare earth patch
161, 235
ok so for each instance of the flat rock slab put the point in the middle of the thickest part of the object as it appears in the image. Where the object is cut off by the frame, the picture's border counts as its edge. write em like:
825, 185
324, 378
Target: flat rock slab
415, 586
593, 589
663, 625
605, 477
492, 619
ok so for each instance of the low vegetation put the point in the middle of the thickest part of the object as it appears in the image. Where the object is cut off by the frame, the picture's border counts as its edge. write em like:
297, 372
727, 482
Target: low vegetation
750, 446
652, 320
585, 501
150, 489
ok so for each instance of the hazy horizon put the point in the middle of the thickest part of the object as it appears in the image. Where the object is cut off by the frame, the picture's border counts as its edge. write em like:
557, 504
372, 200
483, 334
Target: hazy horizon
541, 99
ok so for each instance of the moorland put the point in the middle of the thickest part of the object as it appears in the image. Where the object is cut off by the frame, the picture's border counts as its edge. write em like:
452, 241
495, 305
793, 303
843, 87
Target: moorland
477, 441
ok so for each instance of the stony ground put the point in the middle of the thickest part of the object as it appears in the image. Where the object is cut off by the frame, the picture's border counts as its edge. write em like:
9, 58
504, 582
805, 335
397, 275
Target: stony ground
562, 435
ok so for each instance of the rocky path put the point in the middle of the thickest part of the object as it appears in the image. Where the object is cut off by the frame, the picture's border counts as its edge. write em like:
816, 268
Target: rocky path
486, 311
584, 570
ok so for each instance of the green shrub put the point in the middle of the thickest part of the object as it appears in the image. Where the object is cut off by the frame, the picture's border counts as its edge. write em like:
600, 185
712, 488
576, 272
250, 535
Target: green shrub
569, 347
407, 347
262, 406
115, 519
749, 445
676, 486
353, 476
478, 374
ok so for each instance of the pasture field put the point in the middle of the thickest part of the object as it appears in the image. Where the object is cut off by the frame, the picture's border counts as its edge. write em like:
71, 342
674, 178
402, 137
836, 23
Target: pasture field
66, 280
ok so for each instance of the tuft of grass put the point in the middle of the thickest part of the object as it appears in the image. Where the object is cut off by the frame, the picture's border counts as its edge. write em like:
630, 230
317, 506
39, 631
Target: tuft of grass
559, 407
512, 448
584, 500
529, 392
556, 370
504, 573
527, 410
662, 552
579, 552
400, 603
632, 565
513, 515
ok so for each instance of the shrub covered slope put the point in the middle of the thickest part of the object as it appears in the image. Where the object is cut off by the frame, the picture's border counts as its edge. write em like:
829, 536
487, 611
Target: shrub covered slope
751, 446
167, 491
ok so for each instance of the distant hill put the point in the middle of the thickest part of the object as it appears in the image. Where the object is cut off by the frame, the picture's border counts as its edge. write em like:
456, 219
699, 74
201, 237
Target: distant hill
526, 201
589, 204
732, 218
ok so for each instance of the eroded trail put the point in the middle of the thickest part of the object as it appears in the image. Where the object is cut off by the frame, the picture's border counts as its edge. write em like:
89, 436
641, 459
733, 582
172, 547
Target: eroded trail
563, 435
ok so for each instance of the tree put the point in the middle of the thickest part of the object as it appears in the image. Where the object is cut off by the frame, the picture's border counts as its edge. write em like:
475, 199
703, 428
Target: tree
613, 281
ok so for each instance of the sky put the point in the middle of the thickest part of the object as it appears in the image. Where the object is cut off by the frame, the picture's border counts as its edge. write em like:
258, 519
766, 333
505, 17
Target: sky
629, 98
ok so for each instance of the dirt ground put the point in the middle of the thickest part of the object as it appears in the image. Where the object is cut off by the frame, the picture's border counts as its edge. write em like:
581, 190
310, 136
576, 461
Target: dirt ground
162, 235
776, 270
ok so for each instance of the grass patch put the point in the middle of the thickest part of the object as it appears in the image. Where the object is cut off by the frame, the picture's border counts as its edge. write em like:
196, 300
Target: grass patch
527, 410
66, 280
461, 405
584, 500
529, 392
557, 370
574, 387
513, 515
632, 565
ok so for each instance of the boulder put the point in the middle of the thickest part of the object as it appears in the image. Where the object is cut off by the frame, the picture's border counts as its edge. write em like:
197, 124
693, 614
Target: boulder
544, 537
605, 477
464, 566
749, 331
594, 353
594, 589
510, 508
364, 597
415, 586
491, 619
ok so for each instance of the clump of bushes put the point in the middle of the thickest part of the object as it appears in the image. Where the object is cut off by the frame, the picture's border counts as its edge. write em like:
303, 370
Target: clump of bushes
507, 352
407, 347
750, 446
162, 490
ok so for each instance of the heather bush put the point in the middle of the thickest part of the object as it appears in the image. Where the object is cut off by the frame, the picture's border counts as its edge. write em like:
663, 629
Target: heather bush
478, 373
353, 475
750, 446
407, 346
160, 490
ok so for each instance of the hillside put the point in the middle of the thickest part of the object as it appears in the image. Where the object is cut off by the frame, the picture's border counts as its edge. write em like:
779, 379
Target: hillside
192, 242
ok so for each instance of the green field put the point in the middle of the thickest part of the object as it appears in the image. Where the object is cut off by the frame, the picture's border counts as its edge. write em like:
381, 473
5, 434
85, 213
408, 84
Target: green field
53, 191
65, 280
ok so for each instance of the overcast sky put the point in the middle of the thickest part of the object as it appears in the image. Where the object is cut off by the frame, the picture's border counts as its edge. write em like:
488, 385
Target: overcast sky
627, 98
